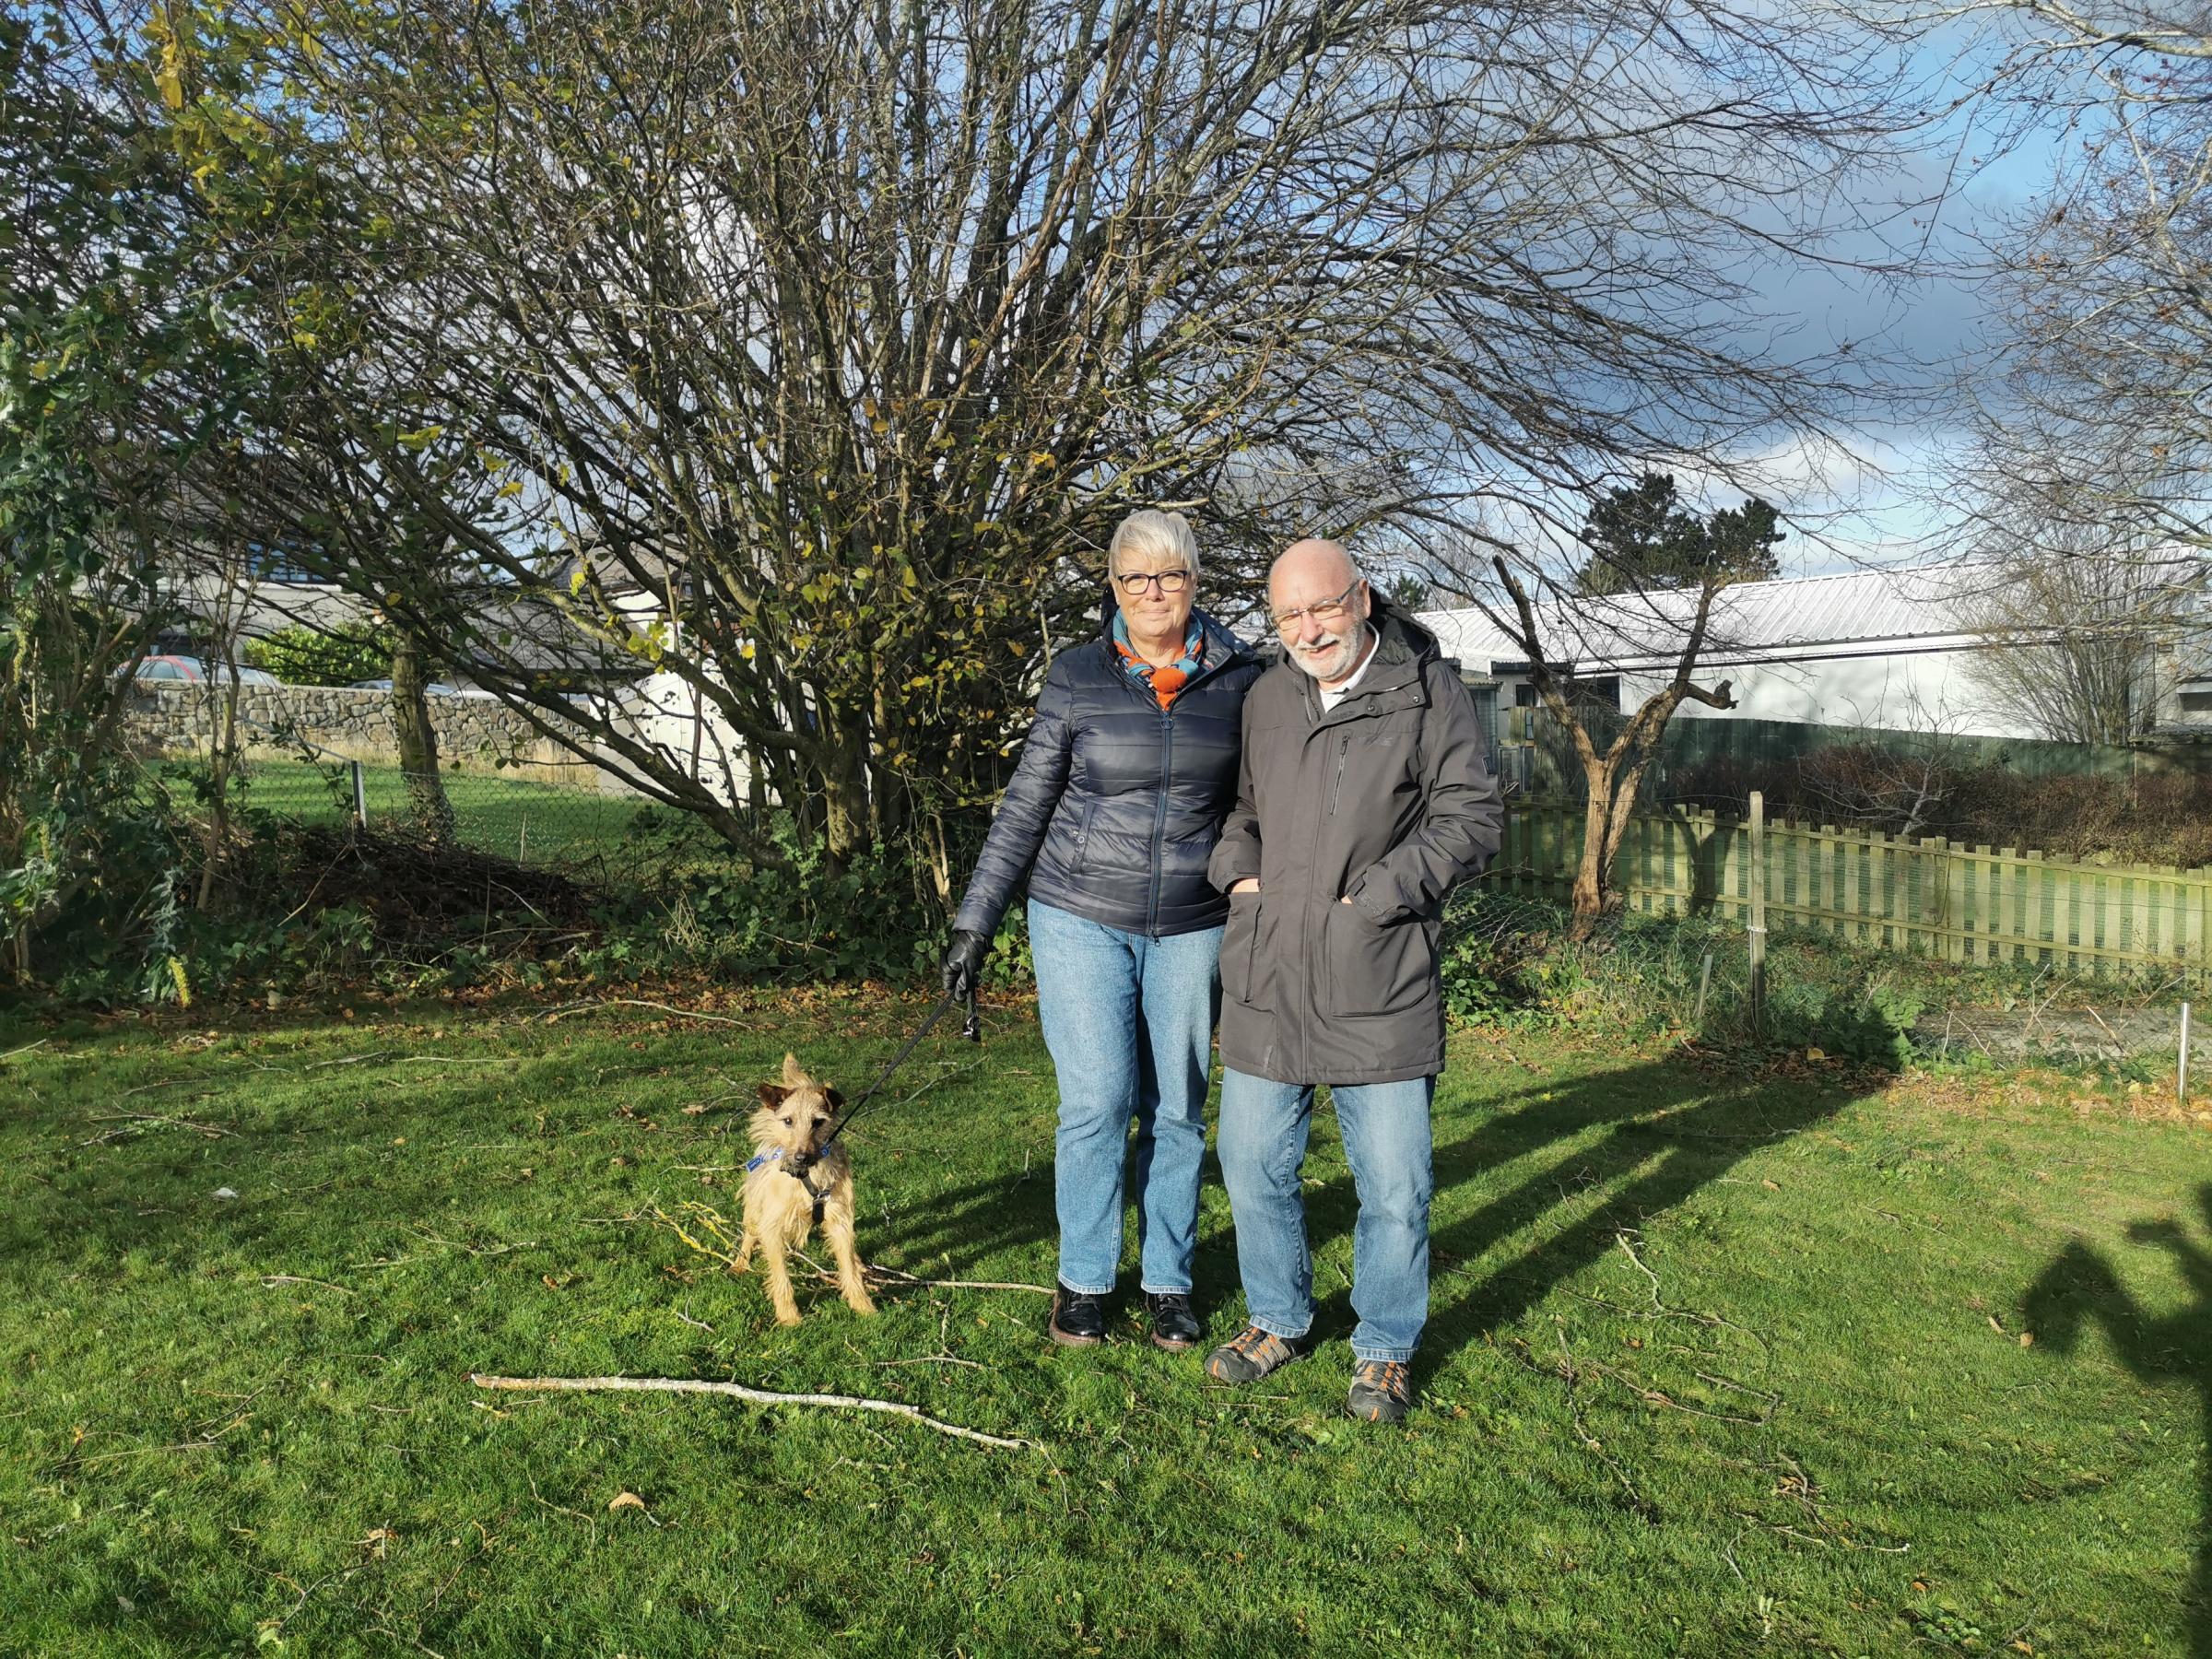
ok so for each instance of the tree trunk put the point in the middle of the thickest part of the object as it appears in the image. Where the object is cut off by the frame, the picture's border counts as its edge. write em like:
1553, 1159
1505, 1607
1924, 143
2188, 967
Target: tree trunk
1613, 780
222, 693
845, 811
427, 803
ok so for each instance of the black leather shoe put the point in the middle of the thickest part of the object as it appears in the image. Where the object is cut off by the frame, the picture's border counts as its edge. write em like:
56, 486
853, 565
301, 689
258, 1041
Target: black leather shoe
1174, 1326
1079, 1318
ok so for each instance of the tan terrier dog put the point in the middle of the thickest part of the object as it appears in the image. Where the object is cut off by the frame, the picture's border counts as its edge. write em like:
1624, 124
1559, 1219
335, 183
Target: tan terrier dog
779, 1210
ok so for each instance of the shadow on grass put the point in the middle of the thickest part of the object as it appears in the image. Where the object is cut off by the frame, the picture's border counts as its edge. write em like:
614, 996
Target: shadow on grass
1641, 1140
1646, 1136
2177, 1347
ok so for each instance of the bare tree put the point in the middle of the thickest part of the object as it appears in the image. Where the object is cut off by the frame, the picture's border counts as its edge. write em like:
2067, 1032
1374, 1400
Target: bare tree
2101, 415
2082, 618
851, 329
1613, 774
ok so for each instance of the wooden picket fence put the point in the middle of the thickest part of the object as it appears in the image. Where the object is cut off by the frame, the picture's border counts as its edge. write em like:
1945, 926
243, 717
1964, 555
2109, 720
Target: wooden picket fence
1961, 904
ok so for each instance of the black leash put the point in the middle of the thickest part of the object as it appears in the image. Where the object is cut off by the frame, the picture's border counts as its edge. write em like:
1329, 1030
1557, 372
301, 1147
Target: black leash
971, 1029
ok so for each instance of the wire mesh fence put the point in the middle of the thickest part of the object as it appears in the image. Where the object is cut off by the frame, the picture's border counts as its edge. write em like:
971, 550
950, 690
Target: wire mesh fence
530, 822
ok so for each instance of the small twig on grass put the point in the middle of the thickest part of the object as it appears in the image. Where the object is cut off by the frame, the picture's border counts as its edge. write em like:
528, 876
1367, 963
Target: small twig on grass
131, 1122
560, 1508
635, 1002
411, 1642
205, 1443
25, 1049
712, 1239
142, 1450
1663, 1310
697, 1325
1728, 1555
293, 1278
149, 1087
935, 1359
757, 1396
1569, 1373
891, 1276
945, 1075
474, 1250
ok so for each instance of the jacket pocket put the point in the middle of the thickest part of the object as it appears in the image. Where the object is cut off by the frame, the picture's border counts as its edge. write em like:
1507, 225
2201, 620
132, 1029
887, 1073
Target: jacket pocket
1070, 839
1242, 969
1377, 968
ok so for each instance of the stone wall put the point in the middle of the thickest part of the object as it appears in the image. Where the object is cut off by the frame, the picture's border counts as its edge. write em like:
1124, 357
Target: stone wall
478, 732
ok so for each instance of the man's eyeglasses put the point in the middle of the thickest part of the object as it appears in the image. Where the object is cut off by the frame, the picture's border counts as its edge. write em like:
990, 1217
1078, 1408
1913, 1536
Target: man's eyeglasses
1133, 583
1327, 613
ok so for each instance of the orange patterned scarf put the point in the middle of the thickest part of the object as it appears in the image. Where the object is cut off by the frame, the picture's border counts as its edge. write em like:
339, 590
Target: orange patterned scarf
1165, 682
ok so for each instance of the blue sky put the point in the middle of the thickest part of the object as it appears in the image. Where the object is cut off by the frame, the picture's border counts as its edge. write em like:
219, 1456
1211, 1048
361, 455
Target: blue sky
1882, 495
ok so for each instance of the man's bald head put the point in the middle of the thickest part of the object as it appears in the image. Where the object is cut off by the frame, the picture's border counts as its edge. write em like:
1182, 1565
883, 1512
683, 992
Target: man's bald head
1328, 562
1313, 577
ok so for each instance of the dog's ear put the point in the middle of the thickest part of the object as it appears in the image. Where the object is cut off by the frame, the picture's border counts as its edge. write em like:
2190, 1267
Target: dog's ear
772, 1095
837, 1101
793, 1075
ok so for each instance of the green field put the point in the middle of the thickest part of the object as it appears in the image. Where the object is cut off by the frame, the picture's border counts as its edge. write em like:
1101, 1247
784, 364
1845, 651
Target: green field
1722, 1361
492, 812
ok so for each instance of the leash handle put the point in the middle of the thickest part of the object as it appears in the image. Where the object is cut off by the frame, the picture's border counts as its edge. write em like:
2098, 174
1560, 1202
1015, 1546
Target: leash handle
971, 1029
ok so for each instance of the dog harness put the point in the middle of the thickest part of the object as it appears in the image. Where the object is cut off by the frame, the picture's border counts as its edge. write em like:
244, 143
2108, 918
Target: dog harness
802, 1176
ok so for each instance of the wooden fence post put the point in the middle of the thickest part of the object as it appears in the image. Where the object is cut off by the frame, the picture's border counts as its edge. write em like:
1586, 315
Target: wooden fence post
1756, 931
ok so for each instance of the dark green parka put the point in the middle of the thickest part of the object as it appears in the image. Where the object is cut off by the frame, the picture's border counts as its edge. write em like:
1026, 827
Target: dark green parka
1387, 800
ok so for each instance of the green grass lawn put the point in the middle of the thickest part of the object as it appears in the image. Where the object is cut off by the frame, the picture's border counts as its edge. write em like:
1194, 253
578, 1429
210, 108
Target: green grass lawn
1719, 1363
493, 812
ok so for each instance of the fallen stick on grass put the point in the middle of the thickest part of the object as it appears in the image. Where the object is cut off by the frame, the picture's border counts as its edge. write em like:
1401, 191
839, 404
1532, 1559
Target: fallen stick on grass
131, 1122
759, 1397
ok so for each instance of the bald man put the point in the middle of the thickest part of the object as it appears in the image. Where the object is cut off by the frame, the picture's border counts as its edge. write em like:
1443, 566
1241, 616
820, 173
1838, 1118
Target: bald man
1365, 795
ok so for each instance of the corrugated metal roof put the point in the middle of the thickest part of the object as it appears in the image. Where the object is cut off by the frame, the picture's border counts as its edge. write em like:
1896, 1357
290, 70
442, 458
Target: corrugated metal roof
1762, 619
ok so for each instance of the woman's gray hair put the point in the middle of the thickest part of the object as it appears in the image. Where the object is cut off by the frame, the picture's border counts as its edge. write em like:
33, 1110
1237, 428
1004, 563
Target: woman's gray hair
1163, 535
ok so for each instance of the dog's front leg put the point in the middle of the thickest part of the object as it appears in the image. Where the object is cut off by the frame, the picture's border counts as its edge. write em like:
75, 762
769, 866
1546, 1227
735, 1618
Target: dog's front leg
779, 1280
838, 1225
747, 1241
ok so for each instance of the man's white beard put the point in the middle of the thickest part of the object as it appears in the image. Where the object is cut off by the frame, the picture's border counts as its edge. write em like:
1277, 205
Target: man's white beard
1335, 665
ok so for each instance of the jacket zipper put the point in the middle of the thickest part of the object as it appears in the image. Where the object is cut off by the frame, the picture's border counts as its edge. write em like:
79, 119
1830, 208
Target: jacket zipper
1159, 814
1344, 748
1166, 769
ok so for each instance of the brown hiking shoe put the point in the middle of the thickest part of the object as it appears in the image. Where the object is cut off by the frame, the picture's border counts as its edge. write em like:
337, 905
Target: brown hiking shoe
1382, 1390
1251, 1355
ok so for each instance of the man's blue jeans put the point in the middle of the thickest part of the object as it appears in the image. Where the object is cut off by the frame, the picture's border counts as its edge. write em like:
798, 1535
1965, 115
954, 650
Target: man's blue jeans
1262, 1144
1129, 1021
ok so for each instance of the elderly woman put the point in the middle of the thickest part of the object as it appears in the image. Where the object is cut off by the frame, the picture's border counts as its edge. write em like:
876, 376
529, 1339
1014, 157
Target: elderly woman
1111, 814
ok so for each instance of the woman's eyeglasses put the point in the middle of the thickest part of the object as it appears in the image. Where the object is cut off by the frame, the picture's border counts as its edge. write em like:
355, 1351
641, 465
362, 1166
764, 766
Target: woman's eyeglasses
1133, 583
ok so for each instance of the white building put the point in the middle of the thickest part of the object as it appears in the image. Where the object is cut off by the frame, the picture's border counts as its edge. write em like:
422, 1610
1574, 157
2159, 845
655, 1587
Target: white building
1890, 648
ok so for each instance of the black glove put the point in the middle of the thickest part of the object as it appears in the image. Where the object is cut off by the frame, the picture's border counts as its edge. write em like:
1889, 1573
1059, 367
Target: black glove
964, 962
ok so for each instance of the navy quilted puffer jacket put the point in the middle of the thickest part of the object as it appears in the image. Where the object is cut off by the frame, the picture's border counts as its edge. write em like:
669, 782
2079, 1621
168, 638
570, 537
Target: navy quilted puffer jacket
1116, 805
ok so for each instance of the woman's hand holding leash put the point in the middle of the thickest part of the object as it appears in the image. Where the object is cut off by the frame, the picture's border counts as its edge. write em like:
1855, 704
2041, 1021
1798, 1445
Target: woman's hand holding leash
963, 970
964, 963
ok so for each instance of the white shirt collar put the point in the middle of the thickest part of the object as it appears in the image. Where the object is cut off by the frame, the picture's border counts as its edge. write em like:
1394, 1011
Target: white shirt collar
1329, 699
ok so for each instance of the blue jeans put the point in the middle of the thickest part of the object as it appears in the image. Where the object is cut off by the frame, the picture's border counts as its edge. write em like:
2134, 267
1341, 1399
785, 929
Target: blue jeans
1262, 1144
1129, 1021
